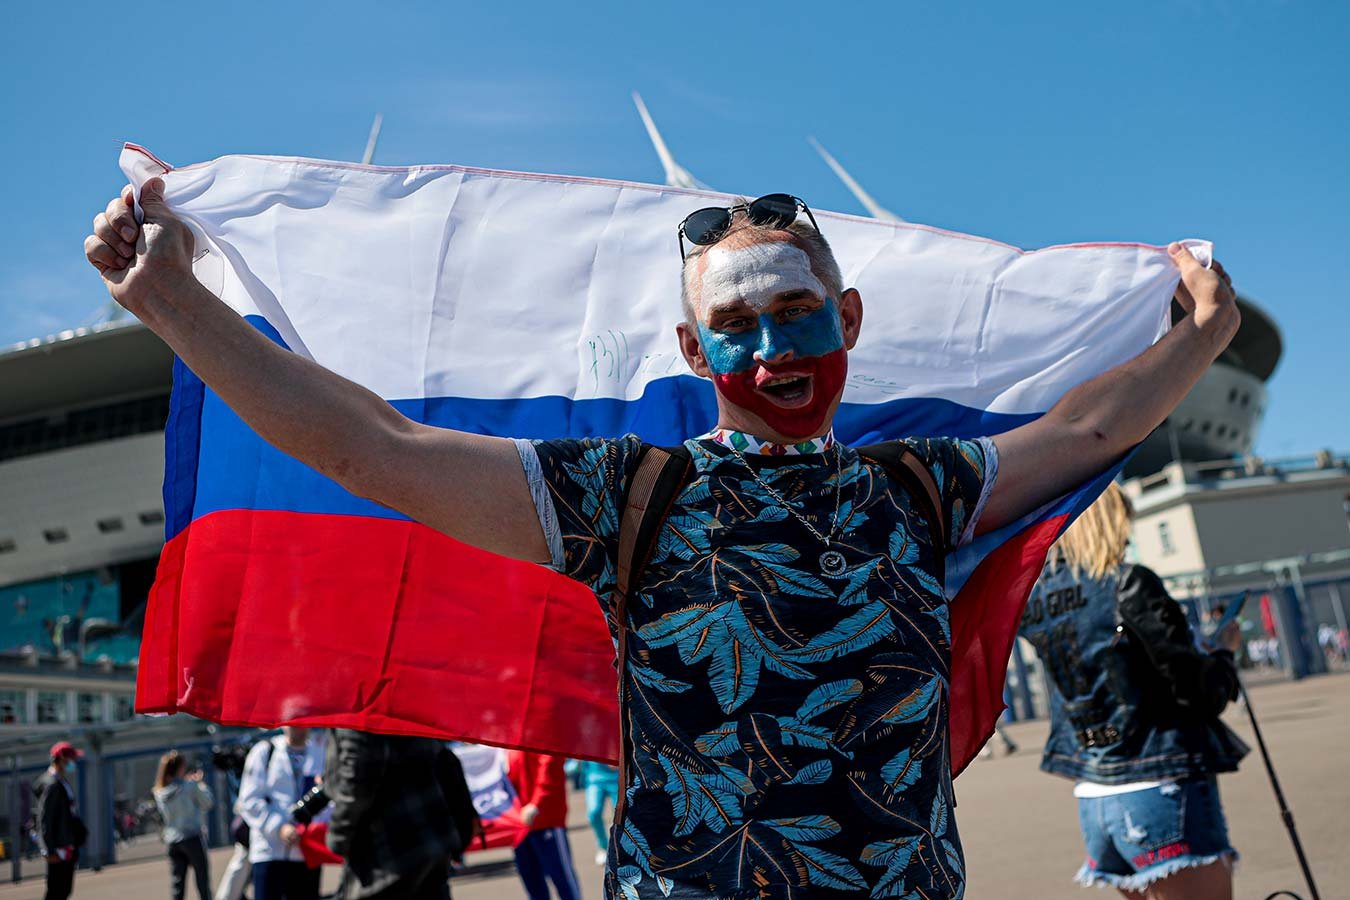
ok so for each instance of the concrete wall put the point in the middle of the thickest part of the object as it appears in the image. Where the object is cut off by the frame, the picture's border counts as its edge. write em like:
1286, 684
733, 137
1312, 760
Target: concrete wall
117, 482
1295, 519
1181, 550
1219, 516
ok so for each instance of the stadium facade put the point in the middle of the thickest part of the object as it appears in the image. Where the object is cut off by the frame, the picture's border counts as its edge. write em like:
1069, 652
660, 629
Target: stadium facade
81, 462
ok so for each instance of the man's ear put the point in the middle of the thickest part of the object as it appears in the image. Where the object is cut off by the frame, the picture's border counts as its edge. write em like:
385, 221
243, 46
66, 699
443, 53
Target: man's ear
850, 316
692, 349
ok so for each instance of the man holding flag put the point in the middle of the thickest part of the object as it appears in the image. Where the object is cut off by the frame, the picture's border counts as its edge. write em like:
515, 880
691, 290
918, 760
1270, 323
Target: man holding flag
786, 650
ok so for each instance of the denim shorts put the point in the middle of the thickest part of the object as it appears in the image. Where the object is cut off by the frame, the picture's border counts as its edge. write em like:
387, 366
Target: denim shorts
1136, 838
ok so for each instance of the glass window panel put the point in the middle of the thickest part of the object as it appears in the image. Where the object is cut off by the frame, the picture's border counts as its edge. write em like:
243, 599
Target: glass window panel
52, 708
13, 707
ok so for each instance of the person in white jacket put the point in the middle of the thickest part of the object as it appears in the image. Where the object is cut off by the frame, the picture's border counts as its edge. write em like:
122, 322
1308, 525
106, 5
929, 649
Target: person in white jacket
277, 773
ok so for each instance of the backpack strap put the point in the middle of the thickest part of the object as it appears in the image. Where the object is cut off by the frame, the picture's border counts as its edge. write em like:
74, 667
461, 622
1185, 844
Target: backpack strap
902, 465
660, 475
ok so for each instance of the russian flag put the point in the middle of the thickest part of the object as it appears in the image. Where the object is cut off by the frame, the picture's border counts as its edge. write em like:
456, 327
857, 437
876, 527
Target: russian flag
541, 306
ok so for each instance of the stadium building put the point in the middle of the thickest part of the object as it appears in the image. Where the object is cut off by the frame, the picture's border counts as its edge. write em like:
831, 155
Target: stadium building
81, 526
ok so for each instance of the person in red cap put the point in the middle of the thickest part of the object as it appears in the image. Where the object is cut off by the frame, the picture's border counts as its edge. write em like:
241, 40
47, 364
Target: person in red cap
59, 828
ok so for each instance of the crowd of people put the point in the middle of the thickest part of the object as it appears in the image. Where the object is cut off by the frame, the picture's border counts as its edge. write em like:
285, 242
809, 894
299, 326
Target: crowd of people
395, 813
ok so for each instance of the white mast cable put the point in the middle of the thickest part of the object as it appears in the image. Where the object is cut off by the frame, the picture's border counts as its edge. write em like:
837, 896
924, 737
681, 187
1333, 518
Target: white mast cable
373, 139
876, 209
676, 174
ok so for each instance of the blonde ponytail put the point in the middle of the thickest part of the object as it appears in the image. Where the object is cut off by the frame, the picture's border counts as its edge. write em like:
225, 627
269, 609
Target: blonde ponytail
1095, 544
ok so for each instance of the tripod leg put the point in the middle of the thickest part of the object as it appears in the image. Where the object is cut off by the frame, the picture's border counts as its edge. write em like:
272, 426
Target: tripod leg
1286, 814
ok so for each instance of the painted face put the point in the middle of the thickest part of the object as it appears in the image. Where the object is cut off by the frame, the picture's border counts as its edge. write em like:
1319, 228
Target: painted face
774, 348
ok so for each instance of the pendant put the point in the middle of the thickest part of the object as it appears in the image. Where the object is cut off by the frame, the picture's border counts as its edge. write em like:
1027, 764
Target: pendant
832, 563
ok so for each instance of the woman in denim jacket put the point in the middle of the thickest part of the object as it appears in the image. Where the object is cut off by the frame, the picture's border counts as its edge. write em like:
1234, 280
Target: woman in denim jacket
1134, 715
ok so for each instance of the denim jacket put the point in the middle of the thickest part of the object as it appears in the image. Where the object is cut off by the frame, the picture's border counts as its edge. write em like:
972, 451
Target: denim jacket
1131, 696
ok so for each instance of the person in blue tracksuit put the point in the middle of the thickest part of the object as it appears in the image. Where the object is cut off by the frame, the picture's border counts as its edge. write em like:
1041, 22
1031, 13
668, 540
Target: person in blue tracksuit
601, 783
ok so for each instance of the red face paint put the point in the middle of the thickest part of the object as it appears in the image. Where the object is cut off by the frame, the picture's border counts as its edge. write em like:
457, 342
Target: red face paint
801, 419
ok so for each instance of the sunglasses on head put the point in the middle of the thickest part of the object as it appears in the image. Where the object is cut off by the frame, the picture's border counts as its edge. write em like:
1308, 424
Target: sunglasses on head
710, 224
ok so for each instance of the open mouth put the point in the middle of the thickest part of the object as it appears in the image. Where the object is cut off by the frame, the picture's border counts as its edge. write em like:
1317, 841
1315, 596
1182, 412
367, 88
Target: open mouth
787, 390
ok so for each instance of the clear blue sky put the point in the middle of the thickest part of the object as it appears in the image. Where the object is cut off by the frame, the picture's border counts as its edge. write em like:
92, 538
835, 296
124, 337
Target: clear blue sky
1034, 123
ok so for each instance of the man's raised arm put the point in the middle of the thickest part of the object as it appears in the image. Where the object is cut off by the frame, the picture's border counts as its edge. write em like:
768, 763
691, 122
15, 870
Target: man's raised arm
468, 486
1096, 423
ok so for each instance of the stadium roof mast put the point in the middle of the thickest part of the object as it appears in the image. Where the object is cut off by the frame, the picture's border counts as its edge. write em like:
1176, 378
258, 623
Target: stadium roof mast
876, 209
676, 174
373, 139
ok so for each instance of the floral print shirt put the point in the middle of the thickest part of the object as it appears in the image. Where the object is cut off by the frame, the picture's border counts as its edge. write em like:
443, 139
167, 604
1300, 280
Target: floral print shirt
788, 728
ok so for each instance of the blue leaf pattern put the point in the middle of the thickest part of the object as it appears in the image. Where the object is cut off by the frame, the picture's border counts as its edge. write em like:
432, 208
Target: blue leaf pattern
859, 631
788, 728
903, 549
828, 696
701, 798
856, 582
817, 772
895, 854
902, 770
828, 869
805, 828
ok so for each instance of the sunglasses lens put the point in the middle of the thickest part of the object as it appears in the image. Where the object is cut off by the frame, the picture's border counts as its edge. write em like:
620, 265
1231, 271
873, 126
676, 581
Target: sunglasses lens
705, 226
774, 211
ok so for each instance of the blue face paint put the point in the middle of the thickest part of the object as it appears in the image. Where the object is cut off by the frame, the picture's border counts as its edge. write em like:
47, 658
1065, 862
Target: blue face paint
814, 334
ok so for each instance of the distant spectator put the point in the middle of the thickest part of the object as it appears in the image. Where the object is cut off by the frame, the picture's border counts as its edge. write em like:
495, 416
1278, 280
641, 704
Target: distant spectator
602, 784
1009, 745
60, 831
278, 772
544, 855
1273, 652
238, 871
401, 813
1256, 651
183, 800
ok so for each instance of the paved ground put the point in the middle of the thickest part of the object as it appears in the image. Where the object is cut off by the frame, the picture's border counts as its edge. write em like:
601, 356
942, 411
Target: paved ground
1019, 825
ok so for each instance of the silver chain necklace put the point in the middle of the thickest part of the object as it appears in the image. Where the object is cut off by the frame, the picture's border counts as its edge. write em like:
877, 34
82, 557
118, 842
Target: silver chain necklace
832, 562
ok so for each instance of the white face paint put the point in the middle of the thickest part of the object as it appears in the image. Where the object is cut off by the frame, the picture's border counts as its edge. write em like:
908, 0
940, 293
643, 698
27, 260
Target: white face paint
756, 274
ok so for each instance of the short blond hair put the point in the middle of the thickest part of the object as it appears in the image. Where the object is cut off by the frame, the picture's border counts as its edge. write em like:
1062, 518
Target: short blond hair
1095, 544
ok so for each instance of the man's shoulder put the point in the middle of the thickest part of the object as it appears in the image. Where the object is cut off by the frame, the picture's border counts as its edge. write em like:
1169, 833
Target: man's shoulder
930, 450
590, 441
591, 462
